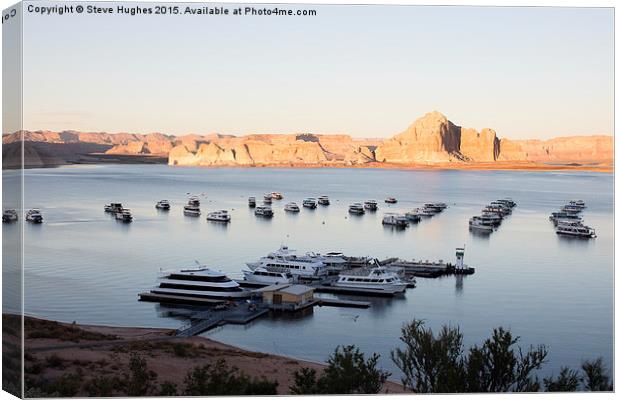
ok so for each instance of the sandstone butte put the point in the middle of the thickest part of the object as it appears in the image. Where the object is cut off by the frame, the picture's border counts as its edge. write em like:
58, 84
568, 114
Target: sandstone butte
432, 140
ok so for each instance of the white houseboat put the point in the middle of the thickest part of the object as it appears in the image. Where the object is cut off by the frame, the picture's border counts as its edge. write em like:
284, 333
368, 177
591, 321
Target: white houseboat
219, 216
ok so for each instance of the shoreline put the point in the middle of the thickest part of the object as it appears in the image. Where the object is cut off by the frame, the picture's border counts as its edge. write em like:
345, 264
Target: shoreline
91, 349
497, 166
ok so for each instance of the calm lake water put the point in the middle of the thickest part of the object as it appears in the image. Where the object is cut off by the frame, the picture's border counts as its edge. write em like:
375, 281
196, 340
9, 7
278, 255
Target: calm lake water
81, 265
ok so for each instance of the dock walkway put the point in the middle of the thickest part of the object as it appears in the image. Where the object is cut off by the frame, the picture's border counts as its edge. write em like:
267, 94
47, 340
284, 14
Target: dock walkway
205, 320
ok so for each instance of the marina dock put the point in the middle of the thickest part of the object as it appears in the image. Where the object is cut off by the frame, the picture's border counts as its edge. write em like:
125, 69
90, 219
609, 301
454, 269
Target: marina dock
165, 298
342, 303
206, 320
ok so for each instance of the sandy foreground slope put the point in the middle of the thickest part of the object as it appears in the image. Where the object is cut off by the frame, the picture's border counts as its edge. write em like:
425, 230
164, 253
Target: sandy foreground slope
101, 350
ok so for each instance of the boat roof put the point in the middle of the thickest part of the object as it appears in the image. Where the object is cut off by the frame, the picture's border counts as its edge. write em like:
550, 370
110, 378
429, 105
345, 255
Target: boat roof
200, 271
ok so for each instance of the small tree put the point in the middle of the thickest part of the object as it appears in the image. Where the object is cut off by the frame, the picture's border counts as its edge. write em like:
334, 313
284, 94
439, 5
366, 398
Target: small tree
347, 372
596, 379
567, 381
140, 381
305, 381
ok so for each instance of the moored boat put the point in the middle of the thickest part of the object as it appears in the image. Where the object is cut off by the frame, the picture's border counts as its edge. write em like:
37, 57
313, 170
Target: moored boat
413, 216
124, 215
113, 207
163, 205
286, 260
564, 215
373, 279
391, 200
263, 211
356, 209
201, 282
437, 207
9, 215
193, 201
371, 205
323, 200
219, 216
252, 202
310, 202
397, 220
291, 207
34, 216
261, 275
191, 211
477, 224
576, 230
276, 196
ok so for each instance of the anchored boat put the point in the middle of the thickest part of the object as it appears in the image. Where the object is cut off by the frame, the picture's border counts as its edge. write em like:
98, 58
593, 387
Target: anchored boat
310, 202
370, 205
397, 220
124, 215
356, 209
113, 207
263, 211
291, 207
9, 215
34, 216
576, 230
219, 216
163, 205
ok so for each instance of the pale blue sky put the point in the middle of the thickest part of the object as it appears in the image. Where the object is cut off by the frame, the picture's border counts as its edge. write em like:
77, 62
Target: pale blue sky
363, 70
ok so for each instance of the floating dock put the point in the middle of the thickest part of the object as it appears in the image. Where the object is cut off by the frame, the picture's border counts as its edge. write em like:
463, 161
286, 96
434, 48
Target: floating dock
167, 298
206, 320
341, 303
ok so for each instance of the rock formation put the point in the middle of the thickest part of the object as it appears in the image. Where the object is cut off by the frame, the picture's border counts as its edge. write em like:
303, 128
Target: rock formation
431, 139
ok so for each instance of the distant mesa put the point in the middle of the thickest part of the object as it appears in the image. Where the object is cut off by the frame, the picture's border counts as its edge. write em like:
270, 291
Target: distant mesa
430, 140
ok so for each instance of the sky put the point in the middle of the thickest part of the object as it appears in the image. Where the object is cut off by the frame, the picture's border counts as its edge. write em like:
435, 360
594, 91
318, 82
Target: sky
367, 71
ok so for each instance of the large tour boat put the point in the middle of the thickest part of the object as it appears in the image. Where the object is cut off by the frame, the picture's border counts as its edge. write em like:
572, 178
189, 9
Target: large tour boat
201, 282
286, 260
